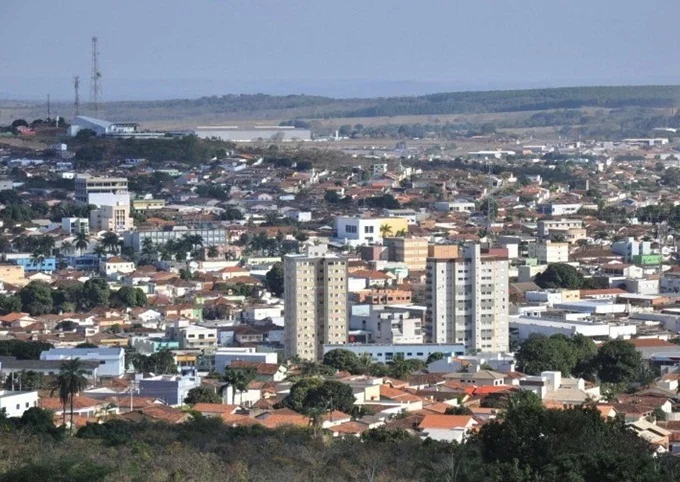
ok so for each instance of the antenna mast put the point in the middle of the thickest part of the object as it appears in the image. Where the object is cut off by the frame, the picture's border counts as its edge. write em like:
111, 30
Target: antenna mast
49, 108
76, 100
95, 85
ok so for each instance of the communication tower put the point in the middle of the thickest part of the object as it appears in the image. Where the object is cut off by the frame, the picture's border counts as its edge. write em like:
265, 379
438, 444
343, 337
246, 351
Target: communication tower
76, 99
95, 79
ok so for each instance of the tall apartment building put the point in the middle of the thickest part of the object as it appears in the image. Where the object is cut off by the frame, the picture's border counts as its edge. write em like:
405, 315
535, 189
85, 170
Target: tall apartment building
101, 190
315, 302
410, 251
111, 197
468, 299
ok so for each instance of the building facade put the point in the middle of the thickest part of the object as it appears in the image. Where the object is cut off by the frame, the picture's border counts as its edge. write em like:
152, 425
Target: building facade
468, 299
410, 251
111, 360
315, 301
211, 235
356, 231
101, 190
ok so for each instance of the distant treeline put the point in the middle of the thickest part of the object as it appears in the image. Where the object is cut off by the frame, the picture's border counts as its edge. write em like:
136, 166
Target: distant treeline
524, 100
317, 107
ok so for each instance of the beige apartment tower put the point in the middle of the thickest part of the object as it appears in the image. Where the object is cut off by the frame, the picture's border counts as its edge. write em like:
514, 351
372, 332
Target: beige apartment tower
410, 251
315, 302
468, 299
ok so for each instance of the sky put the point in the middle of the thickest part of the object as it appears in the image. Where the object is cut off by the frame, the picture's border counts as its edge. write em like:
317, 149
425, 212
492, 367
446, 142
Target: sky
159, 49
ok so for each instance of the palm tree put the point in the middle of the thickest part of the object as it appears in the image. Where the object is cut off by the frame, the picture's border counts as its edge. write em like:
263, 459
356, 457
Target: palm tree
71, 381
62, 388
385, 230
148, 248
110, 241
99, 250
402, 233
237, 380
213, 252
66, 247
82, 241
37, 258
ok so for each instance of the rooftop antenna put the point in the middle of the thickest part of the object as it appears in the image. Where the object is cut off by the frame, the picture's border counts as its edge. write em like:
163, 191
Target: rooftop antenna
95, 80
76, 88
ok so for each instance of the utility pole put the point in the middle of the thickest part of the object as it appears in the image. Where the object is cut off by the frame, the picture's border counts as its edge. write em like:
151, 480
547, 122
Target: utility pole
76, 100
95, 78
49, 108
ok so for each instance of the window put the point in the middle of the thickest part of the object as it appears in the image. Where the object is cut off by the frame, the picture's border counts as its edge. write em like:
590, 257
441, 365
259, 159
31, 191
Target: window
350, 229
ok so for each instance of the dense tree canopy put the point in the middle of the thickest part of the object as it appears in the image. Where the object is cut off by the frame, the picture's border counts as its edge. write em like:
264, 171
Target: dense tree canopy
202, 395
571, 356
560, 275
274, 279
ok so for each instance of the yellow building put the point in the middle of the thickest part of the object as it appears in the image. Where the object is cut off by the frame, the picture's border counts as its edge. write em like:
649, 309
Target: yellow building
12, 274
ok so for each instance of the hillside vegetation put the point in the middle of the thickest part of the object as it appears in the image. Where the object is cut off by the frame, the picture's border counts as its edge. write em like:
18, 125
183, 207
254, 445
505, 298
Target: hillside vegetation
261, 106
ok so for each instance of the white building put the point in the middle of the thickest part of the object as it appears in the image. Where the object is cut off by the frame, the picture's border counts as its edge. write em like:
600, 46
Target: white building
387, 352
299, 216
101, 127
522, 327
115, 265
356, 231
15, 403
558, 209
447, 428
111, 360
389, 325
547, 252
192, 336
265, 133
468, 299
75, 225
101, 191
225, 355
455, 206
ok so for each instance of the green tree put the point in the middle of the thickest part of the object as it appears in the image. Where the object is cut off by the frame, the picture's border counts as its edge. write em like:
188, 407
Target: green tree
202, 395
540, 353
329, 395
212, 252
36, 298
70, 382
274, 279
25, 380
618, 361
96, 293
82, 242
128, 297
23, 350
342, 359
237, 380
148, 248
9, 304
461, 410
110, 242
560, 275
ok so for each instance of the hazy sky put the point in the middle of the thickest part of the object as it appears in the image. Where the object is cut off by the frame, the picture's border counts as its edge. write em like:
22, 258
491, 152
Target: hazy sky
188, 48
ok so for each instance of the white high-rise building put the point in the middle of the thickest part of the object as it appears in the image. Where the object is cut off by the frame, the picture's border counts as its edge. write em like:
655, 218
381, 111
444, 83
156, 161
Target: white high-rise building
315, 302
101, 191
468, 299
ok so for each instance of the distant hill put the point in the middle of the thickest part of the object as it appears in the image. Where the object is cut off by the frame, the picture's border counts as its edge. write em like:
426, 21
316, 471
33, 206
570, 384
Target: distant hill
260, 106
